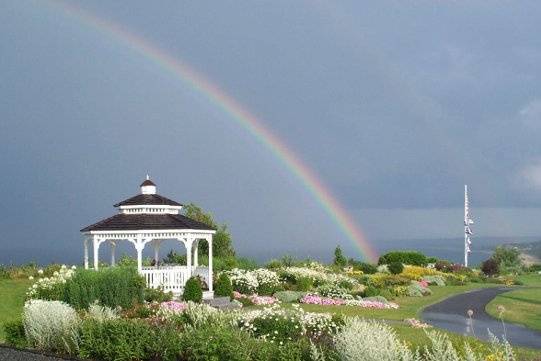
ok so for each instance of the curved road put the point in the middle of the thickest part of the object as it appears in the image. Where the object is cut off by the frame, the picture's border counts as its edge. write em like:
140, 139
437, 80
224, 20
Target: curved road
450, 314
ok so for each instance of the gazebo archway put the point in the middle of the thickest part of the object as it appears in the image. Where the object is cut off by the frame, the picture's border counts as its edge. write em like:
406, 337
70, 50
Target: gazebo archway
150, 219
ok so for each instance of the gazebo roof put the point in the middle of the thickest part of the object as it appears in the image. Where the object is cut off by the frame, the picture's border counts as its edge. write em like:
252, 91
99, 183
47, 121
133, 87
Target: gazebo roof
147, 211
134, 222
148, 199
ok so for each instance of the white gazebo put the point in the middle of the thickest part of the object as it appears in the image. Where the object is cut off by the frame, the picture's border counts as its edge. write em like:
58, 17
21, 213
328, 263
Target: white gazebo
149, 218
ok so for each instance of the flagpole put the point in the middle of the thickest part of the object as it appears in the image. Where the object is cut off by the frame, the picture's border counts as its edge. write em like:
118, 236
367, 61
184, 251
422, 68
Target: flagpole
467, 230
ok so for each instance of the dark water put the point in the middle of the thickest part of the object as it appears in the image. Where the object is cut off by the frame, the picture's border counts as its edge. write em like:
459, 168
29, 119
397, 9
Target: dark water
450, 249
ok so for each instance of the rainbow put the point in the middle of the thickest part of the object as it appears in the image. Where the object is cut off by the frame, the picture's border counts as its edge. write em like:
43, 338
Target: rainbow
236, 111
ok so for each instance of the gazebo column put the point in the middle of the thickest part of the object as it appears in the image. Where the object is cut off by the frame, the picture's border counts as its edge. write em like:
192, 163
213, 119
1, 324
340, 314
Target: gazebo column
196, 254
188, 244
139, 245
113, 249
86, 253
156, 245
96, 247
209, 240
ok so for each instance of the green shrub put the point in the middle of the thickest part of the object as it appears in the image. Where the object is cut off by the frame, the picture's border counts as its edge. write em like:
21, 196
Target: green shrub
535, 268
216, 343
370, 291
157, 295
223, 286
396, 268
364, 267
339, 259
289, 296
119, 340
14, 331
4, 272
112, 287
406, 257
192, 290
304, 284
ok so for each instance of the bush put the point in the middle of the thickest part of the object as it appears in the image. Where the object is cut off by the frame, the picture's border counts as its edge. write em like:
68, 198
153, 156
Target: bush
289, 296
370, 291
443, 266
405, 257
157, 295
193, 291
535, 268
51, 325
339, 259
304, 284
366, 268
14, 331
223, 286
112, 287
396, 268
490, 267
120, 340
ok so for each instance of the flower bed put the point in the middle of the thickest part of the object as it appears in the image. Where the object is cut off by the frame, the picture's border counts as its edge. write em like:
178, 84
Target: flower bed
256, 299
327, 301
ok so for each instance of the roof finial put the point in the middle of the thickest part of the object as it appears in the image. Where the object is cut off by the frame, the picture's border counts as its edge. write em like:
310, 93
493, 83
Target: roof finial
148, 177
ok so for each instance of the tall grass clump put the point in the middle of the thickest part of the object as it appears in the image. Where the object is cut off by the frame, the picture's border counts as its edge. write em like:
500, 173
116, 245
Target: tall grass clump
111, 287
367, 340
52, 326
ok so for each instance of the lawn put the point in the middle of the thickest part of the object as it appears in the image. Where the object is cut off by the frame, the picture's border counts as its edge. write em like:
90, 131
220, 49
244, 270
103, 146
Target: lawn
523, 305
12, 293
409, 306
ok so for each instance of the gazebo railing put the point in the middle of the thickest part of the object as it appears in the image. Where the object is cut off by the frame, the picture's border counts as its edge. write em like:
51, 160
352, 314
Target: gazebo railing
169, 278
172, 278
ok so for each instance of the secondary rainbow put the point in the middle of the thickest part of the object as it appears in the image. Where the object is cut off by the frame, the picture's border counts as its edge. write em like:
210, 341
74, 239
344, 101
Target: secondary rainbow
236, 111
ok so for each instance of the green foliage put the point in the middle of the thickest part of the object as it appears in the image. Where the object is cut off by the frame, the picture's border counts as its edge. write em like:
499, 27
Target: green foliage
406, 257
221, 241
14, 331
157, 295
112, 287
192, 290
535, 268
396, 268
443, 266
490, 267
304, 284
364, 267
339, 259
508, 259
223, 286
370, 291
289, 296
119, 340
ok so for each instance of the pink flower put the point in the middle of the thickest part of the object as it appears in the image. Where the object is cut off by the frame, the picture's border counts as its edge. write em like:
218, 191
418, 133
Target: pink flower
173, 306
423, 283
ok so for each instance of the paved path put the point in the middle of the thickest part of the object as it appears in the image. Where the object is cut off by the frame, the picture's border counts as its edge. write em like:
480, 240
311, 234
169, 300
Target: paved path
10, 354
450, 314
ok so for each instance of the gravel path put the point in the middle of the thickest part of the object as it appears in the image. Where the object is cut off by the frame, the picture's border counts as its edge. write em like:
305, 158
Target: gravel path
451, 314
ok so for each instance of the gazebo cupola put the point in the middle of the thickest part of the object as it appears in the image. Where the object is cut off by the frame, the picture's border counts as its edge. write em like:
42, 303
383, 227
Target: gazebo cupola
149, 218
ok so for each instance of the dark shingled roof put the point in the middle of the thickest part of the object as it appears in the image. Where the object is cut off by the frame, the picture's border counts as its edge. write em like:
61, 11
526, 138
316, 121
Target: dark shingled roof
133, 222
142, 199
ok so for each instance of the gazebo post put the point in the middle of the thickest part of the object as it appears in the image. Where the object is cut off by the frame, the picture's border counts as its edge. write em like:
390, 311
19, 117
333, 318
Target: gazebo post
209, 241
86, 252
156, 251
139, 245
96, 246
113, 248
196, 254
188, 244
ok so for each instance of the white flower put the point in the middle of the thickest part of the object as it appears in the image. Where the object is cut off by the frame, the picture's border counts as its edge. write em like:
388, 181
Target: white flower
40, 271
31, 278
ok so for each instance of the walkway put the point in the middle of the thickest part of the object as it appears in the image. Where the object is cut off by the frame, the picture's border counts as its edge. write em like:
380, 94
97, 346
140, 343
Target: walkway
451, 315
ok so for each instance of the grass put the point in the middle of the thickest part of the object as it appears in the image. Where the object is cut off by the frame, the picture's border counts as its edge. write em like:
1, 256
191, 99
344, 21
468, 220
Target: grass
12, 293
409, 306
522, 306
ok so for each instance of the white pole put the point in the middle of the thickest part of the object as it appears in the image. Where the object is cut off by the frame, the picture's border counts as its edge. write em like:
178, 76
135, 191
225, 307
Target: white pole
86, 253
465, 225
113, 249
209, 240
156, 252
96, 246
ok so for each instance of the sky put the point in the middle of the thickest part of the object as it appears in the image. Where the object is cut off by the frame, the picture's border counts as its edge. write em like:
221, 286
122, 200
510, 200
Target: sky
395, 105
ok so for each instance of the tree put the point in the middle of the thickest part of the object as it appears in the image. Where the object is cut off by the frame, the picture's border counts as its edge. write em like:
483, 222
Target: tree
339, 259
221, 241
508, 258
